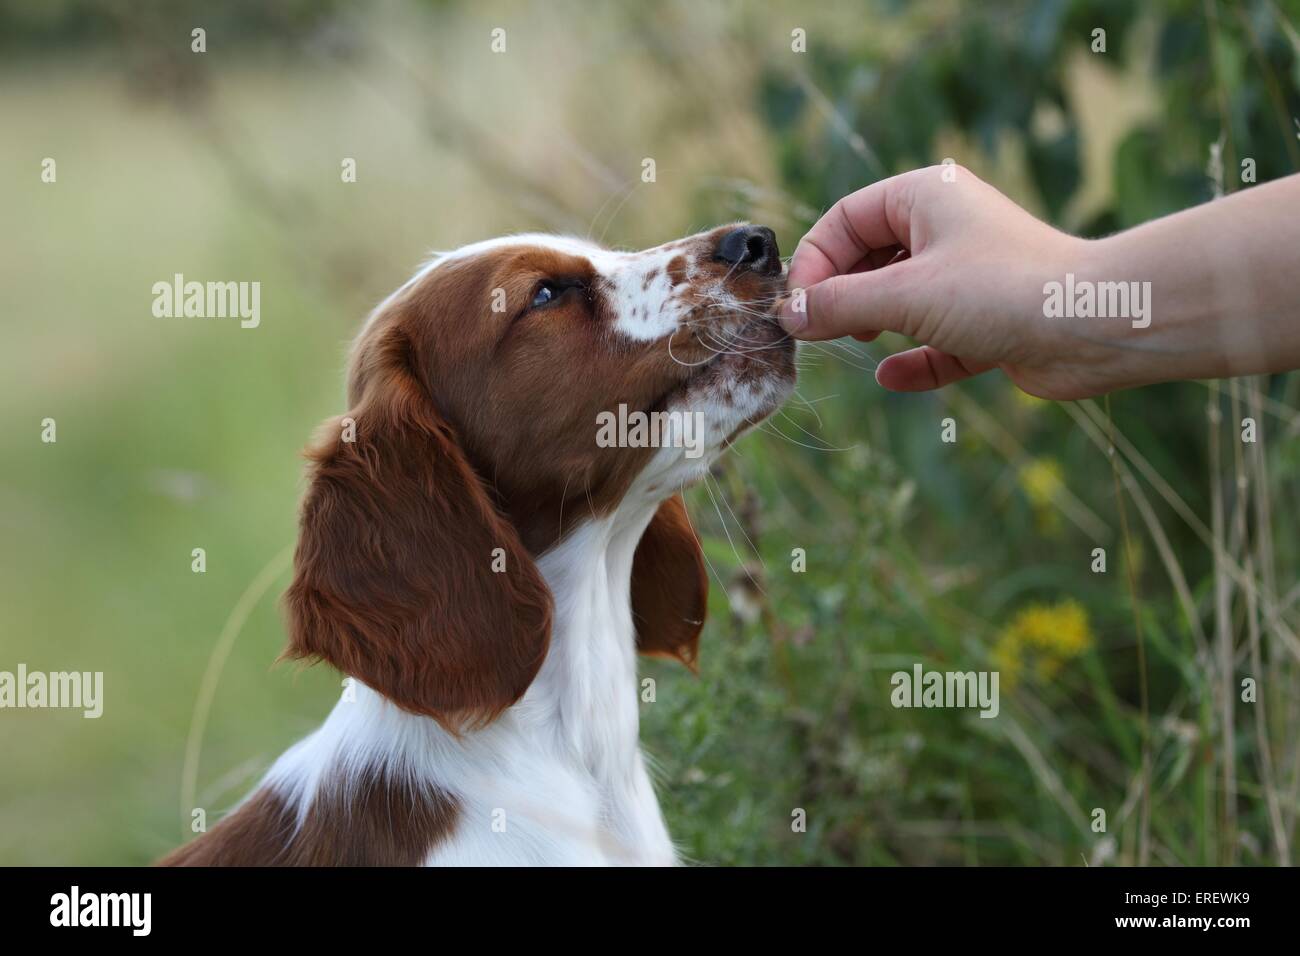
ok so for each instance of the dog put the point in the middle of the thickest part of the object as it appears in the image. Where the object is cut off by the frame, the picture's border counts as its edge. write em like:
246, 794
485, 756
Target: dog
485, 570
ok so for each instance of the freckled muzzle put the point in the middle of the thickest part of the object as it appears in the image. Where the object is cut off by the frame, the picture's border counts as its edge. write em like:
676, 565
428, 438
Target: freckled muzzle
737, 288
740, 358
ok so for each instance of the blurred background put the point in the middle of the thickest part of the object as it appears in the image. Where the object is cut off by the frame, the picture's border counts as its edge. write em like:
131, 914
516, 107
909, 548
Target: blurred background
1120, 690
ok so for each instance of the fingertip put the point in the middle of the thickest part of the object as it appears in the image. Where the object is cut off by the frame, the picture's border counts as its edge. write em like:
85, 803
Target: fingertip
887, 375
924, 368
793, 320
908, 371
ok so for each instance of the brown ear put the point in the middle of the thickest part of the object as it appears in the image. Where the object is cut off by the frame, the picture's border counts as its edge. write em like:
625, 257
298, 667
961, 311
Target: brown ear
398, 580
670, 588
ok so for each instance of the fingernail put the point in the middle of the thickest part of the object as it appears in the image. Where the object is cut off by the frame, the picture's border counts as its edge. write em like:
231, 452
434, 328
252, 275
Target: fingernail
791, 319
883, 367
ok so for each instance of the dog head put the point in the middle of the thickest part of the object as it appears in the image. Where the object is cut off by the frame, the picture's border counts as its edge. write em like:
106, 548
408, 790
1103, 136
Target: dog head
508, 391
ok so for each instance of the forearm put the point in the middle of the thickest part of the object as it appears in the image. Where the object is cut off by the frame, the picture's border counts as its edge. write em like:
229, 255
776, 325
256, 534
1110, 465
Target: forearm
1225, 287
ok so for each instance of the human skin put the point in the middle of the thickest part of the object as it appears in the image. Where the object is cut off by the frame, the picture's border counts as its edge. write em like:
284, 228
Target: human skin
942, 257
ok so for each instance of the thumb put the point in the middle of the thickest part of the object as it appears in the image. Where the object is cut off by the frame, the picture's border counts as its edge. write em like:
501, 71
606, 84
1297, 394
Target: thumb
859, 304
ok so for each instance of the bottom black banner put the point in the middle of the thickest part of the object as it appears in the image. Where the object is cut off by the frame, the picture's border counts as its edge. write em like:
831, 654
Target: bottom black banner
331, 905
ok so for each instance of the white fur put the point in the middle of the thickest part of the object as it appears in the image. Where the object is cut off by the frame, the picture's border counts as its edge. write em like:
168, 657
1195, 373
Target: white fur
559, 778
644, 313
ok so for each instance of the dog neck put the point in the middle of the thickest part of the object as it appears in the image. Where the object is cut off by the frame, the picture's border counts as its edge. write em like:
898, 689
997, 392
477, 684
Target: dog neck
565, 759
586, 690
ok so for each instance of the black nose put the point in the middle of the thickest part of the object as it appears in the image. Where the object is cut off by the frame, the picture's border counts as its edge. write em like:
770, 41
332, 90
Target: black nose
752, 247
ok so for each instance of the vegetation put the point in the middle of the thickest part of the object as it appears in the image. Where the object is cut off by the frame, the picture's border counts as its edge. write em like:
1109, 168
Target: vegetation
1121, 690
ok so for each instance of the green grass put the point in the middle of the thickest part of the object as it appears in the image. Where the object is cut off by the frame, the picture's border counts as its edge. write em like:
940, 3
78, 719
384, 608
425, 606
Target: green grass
176, 434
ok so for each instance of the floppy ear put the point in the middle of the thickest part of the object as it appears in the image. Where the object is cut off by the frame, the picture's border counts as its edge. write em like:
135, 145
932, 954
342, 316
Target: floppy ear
405, 576
670, 589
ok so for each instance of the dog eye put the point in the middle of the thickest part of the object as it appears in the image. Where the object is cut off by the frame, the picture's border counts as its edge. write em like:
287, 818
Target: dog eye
546, 292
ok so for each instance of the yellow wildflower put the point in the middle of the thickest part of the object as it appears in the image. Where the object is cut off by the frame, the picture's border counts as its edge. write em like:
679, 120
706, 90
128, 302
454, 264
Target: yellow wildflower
1041, 479
1043, 635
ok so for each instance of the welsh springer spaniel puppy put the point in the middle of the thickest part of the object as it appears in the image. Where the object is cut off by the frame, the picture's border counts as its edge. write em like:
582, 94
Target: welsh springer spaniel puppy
486, 570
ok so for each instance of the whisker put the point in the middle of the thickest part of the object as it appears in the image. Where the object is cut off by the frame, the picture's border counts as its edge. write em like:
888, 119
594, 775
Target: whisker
735, 552
828, 447
681, 490
810, 406
680, 362
739, 524
820, 348
768, 424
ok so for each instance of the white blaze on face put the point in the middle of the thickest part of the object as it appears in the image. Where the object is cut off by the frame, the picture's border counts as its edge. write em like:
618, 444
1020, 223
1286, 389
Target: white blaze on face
638, 288
641, 293
637, 285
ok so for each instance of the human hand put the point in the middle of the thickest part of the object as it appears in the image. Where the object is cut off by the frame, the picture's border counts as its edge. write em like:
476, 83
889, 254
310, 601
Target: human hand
944, 258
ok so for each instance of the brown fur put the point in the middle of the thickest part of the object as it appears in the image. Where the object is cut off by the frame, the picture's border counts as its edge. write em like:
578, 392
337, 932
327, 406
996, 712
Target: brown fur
670, 587
474, 431
394, 581
372, 822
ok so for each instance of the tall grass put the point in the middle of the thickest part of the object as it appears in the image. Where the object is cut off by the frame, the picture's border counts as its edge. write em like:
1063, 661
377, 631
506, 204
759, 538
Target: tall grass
970, 556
